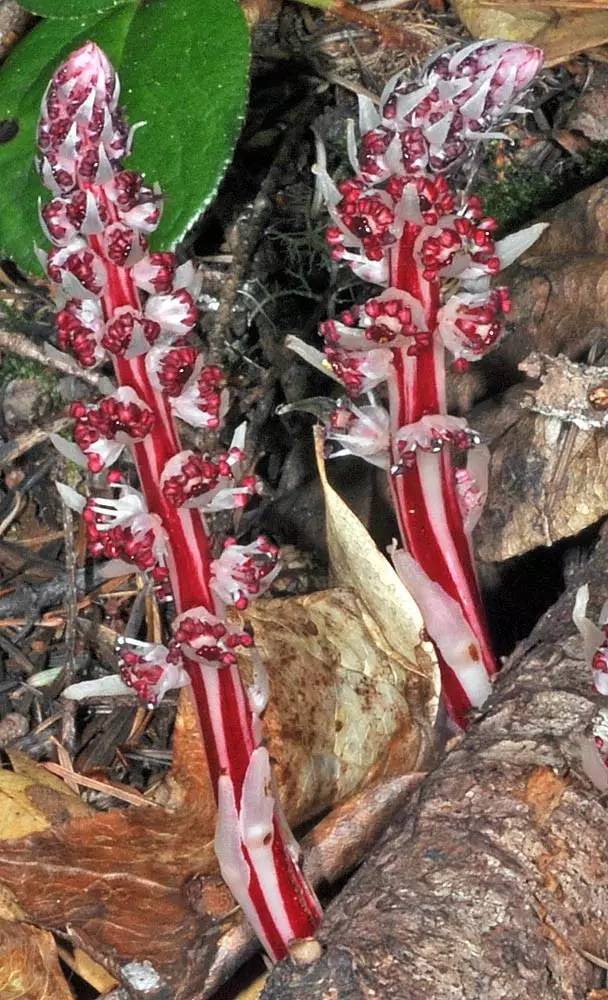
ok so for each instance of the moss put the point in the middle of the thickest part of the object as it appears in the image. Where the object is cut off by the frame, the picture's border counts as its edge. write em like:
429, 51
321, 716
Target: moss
522, 193
14, 366
516, 199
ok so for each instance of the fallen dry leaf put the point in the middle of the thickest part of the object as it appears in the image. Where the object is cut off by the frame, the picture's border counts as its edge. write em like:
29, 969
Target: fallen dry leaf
31, 799
519, 24
338, 716
110, 881
29, 966
561, 30
107, 881
356, 563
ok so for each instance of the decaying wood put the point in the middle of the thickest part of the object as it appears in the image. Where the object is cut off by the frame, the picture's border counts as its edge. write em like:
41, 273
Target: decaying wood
493, 882
574, 393
547, 476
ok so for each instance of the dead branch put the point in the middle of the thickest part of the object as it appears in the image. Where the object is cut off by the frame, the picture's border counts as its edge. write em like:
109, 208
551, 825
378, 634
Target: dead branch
492, 884
23, 347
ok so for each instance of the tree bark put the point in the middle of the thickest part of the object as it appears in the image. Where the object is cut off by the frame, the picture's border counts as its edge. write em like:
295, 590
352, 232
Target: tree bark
493, 882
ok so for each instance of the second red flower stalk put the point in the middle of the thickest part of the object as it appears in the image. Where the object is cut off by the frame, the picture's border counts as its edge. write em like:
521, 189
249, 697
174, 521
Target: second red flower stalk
400, 224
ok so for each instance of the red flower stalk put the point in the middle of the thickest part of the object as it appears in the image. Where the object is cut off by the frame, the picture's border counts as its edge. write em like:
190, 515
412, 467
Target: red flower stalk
117, 300
399, 223
594, 638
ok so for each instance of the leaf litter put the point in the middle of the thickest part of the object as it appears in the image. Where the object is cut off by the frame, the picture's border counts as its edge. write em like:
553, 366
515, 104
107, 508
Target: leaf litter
353, 702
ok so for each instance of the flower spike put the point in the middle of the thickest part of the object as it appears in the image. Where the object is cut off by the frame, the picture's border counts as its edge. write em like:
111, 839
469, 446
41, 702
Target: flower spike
400, 223
433, 123
118, 301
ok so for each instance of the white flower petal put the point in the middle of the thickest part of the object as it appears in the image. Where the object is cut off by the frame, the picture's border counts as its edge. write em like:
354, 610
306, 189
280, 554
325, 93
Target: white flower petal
510, 248
75, 501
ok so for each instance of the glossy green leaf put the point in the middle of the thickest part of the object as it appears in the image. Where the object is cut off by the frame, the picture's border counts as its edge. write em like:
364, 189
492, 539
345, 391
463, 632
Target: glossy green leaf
185, 74
183, 65
72, 8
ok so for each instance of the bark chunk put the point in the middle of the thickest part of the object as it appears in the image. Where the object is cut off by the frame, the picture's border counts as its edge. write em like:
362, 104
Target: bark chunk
492, 882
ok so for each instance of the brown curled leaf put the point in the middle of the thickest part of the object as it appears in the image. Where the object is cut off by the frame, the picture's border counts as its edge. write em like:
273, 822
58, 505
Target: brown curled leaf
108, 881
29, 966
339, 715
560, 29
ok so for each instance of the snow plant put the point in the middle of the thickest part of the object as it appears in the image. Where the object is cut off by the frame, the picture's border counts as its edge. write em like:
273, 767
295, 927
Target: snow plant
594, 746
400, 223
119, 302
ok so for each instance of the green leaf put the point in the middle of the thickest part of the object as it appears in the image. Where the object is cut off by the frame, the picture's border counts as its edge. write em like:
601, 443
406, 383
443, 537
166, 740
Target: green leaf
183, 66
71, 8
185, 73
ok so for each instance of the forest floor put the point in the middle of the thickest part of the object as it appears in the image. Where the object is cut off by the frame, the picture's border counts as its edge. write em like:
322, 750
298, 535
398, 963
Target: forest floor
267, 274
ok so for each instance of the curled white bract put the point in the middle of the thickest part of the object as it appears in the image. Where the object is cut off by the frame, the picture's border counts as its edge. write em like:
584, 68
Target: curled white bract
362, 431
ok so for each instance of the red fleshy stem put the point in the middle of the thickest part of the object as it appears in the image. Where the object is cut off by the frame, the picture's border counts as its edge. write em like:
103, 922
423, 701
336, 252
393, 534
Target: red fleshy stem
139, 307
430, 516
400, 224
